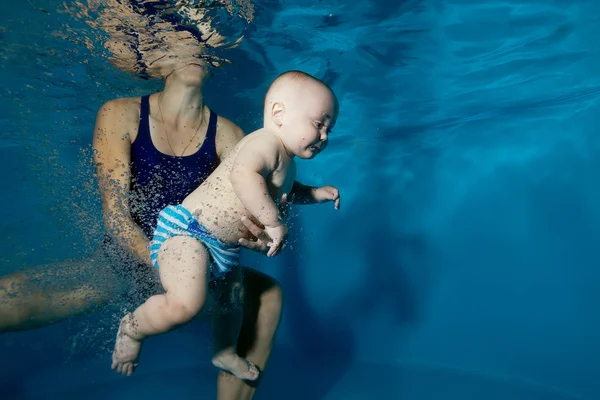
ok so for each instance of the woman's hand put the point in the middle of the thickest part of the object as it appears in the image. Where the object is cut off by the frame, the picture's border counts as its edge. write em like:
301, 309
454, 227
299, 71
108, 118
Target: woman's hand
279, 235
261, 238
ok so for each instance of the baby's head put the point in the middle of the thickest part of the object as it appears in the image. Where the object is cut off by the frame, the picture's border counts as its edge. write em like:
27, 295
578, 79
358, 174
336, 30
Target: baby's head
302, 110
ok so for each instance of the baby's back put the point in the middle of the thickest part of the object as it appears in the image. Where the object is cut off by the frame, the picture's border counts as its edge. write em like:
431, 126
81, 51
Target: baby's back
215, 204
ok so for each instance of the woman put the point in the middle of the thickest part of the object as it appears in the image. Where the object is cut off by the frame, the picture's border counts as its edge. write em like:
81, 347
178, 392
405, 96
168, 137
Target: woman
174, 131
149, 152
174, 143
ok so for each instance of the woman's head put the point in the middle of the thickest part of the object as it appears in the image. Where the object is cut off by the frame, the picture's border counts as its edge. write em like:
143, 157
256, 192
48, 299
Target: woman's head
156, 43
174, 55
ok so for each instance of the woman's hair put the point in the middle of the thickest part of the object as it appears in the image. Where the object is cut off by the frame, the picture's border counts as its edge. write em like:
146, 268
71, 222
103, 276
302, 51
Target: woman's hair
141, 33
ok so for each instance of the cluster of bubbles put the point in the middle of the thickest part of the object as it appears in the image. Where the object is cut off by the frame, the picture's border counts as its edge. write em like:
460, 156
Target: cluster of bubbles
129, 34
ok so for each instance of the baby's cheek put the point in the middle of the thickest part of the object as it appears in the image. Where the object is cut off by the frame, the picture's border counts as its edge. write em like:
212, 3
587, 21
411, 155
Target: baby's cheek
305, 140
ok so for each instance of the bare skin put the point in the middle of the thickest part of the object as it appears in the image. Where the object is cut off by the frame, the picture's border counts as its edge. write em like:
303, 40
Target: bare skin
30, 299
186, 76
259, 169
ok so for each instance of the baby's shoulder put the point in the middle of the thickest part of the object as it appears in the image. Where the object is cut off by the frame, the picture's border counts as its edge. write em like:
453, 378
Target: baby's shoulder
267, 140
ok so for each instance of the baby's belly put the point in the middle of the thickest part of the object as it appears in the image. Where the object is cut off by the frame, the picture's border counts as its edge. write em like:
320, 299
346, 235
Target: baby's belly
220, 215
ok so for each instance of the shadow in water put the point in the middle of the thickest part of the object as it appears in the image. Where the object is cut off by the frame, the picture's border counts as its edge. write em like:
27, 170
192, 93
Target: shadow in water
396, 261
328, 347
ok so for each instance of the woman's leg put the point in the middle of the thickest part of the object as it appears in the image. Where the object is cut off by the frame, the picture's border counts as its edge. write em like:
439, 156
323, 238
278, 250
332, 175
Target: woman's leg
227, 320
47, 294
263, 303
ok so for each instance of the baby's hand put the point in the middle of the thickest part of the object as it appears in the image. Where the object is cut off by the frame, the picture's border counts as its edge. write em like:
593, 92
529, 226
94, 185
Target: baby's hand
278, 234
327, 193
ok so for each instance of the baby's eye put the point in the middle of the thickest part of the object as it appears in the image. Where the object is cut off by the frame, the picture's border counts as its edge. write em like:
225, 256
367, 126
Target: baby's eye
319, 125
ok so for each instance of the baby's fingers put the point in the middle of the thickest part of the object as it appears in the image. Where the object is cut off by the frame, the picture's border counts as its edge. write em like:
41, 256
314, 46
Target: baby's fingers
274, 247
336, 204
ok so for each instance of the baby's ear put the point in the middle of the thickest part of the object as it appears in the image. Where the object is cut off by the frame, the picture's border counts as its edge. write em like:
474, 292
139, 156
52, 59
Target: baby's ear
277, 112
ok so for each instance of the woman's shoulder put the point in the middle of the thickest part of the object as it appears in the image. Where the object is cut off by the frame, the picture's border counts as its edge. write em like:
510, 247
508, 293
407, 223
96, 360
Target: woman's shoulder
228, 129
227, 137
121, 113
127, 105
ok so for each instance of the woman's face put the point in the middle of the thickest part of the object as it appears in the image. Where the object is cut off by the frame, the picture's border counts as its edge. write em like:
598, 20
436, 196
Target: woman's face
176, 53
159, 49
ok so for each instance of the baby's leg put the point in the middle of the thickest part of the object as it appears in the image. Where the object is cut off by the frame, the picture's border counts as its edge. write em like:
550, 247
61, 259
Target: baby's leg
226, 322
183, 264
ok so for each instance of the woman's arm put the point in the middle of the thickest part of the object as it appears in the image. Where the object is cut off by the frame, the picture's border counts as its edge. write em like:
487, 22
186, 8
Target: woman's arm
112, 147
228, 136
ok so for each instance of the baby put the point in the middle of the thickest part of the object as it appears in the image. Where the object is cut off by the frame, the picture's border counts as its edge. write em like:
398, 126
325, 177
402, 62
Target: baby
196, 243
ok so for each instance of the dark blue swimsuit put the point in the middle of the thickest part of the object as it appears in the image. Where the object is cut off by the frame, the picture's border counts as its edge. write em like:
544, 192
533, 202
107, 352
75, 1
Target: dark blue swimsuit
159, 180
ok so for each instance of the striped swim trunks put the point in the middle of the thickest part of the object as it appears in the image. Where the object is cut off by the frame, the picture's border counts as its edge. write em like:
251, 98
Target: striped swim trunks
178, 221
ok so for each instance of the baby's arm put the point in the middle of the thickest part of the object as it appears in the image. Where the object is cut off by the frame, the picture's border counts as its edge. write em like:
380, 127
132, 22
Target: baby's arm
303, 194
255, 161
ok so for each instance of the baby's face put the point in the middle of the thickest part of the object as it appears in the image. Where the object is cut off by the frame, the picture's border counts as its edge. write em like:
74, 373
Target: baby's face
308, 120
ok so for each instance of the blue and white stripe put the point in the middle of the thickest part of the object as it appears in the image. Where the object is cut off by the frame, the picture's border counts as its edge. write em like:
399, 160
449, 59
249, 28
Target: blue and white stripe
178, 221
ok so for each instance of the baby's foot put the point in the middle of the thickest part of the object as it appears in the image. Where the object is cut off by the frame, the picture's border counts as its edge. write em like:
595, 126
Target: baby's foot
127, 350
238, 366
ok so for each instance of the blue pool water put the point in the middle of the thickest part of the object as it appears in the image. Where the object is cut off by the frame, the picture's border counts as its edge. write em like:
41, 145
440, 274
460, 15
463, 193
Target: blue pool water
463, 263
